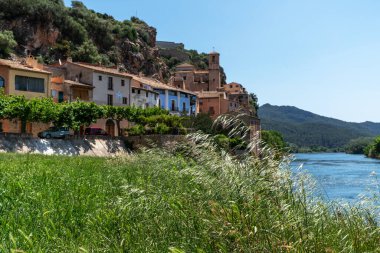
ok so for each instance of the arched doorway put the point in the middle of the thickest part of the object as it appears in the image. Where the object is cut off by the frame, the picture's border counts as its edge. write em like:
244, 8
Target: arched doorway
2, 82
110, 127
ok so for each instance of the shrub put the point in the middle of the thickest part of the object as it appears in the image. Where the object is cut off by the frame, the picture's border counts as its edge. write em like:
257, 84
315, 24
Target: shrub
161, 128
7, 43
136, 130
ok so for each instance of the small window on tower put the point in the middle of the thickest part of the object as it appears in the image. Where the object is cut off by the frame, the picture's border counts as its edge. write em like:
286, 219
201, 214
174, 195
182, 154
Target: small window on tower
184, 78
213, 59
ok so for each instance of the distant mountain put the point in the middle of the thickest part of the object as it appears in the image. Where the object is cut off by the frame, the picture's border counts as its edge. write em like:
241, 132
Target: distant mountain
306, 129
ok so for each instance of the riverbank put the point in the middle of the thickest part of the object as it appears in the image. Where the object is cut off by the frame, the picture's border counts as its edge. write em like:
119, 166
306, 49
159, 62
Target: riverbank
190, 199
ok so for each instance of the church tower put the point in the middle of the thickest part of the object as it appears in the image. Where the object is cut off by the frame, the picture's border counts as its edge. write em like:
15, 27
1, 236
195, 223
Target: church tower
214, 71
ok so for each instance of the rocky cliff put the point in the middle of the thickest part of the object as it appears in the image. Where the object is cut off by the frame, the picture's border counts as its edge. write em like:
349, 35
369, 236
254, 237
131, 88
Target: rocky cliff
51, 31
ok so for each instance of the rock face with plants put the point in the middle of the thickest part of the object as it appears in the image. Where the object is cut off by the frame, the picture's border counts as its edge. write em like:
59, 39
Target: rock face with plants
51, 31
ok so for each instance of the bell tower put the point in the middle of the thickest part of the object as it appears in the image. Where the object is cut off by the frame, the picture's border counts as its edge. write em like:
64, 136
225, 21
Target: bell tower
214, 71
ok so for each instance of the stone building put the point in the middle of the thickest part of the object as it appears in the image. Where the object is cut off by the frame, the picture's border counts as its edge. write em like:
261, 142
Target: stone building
213, 103
26, 78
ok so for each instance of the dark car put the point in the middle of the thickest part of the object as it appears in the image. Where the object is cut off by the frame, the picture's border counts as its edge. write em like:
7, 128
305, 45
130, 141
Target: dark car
95, 131
55, 132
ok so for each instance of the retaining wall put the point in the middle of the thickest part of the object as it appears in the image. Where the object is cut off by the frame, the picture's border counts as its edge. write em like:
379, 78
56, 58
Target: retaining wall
70, 147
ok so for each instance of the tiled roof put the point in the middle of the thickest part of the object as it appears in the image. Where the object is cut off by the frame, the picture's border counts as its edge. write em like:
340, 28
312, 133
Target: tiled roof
101, 69
19, 66
73, 83
185, 65
159, 85
210, 94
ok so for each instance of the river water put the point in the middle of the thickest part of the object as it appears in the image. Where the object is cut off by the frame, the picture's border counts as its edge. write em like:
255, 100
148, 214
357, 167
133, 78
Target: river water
341, 176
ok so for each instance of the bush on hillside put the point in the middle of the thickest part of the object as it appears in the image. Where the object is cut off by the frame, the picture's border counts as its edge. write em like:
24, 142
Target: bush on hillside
7, 43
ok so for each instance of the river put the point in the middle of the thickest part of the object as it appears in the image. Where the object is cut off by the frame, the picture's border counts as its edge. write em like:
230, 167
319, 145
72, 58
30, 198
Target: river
341, 176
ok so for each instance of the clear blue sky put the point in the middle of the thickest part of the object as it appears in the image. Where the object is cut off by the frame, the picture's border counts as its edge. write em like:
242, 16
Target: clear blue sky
321, 55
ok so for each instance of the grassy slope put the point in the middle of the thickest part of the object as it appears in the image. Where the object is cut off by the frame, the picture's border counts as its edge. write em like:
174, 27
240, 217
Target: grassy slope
154, 201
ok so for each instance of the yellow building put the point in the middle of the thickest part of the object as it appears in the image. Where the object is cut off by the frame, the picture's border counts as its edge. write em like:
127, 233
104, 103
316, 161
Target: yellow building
28, 79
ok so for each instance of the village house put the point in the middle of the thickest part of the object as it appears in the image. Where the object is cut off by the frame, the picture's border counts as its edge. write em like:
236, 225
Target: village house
109, 86
66, 90
213, 103
176, 100
25, 78
142, 94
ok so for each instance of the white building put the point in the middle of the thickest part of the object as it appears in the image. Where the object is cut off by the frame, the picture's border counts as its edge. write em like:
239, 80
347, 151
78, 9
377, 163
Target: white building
111, 87
142, 93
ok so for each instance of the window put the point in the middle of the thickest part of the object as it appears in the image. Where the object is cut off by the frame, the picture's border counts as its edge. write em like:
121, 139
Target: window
211, 110
100, 78
125, 100
230, 85
133, 91
53, 93
184, 106
110, 83
60, 97
2, 82
32, 84
184, 78
138, 91
172, 93
146, 93
155, 96
173, 106
213, 59
110, 100
122, 82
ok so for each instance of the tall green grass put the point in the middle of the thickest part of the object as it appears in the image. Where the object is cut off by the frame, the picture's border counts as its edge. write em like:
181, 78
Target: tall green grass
189, 198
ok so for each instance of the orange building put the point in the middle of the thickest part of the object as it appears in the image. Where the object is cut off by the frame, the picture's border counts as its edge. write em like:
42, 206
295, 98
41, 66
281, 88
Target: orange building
67, 90
213, 103
26, 78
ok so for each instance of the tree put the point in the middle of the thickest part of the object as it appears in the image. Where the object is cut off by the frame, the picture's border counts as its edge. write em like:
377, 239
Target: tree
254, 102
117, 113
87, 52
7, 43
273, 139
77, 114
18, 107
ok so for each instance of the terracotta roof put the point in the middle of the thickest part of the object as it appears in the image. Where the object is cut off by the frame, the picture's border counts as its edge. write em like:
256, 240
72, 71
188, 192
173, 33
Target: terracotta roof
159, 85
19, 66
112, 71
73, 83
210, 94
201, 72
185, 65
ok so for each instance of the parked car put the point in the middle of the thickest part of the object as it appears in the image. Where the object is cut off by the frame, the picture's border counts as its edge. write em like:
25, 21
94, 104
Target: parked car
95, 131
55, 132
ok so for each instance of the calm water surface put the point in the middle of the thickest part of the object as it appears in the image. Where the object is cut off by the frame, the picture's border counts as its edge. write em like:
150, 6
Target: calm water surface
341, 176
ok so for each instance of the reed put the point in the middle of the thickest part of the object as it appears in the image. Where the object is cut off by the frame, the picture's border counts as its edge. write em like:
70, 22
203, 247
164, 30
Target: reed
189, 198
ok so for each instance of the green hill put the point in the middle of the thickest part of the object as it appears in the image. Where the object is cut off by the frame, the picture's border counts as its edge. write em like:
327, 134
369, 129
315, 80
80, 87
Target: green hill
306, 129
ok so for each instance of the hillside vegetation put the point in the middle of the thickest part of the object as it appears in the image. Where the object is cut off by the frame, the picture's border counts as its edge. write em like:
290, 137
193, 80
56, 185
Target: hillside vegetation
306, 129
51, 31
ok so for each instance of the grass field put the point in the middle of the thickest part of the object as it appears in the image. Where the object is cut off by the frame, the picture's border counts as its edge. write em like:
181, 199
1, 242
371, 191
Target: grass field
157, 201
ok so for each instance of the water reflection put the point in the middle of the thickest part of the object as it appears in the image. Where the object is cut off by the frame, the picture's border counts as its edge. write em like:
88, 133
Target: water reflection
341, 176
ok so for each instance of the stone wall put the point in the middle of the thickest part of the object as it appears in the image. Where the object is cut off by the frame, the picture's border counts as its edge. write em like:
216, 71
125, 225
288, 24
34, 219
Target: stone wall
98, 146
157, 140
